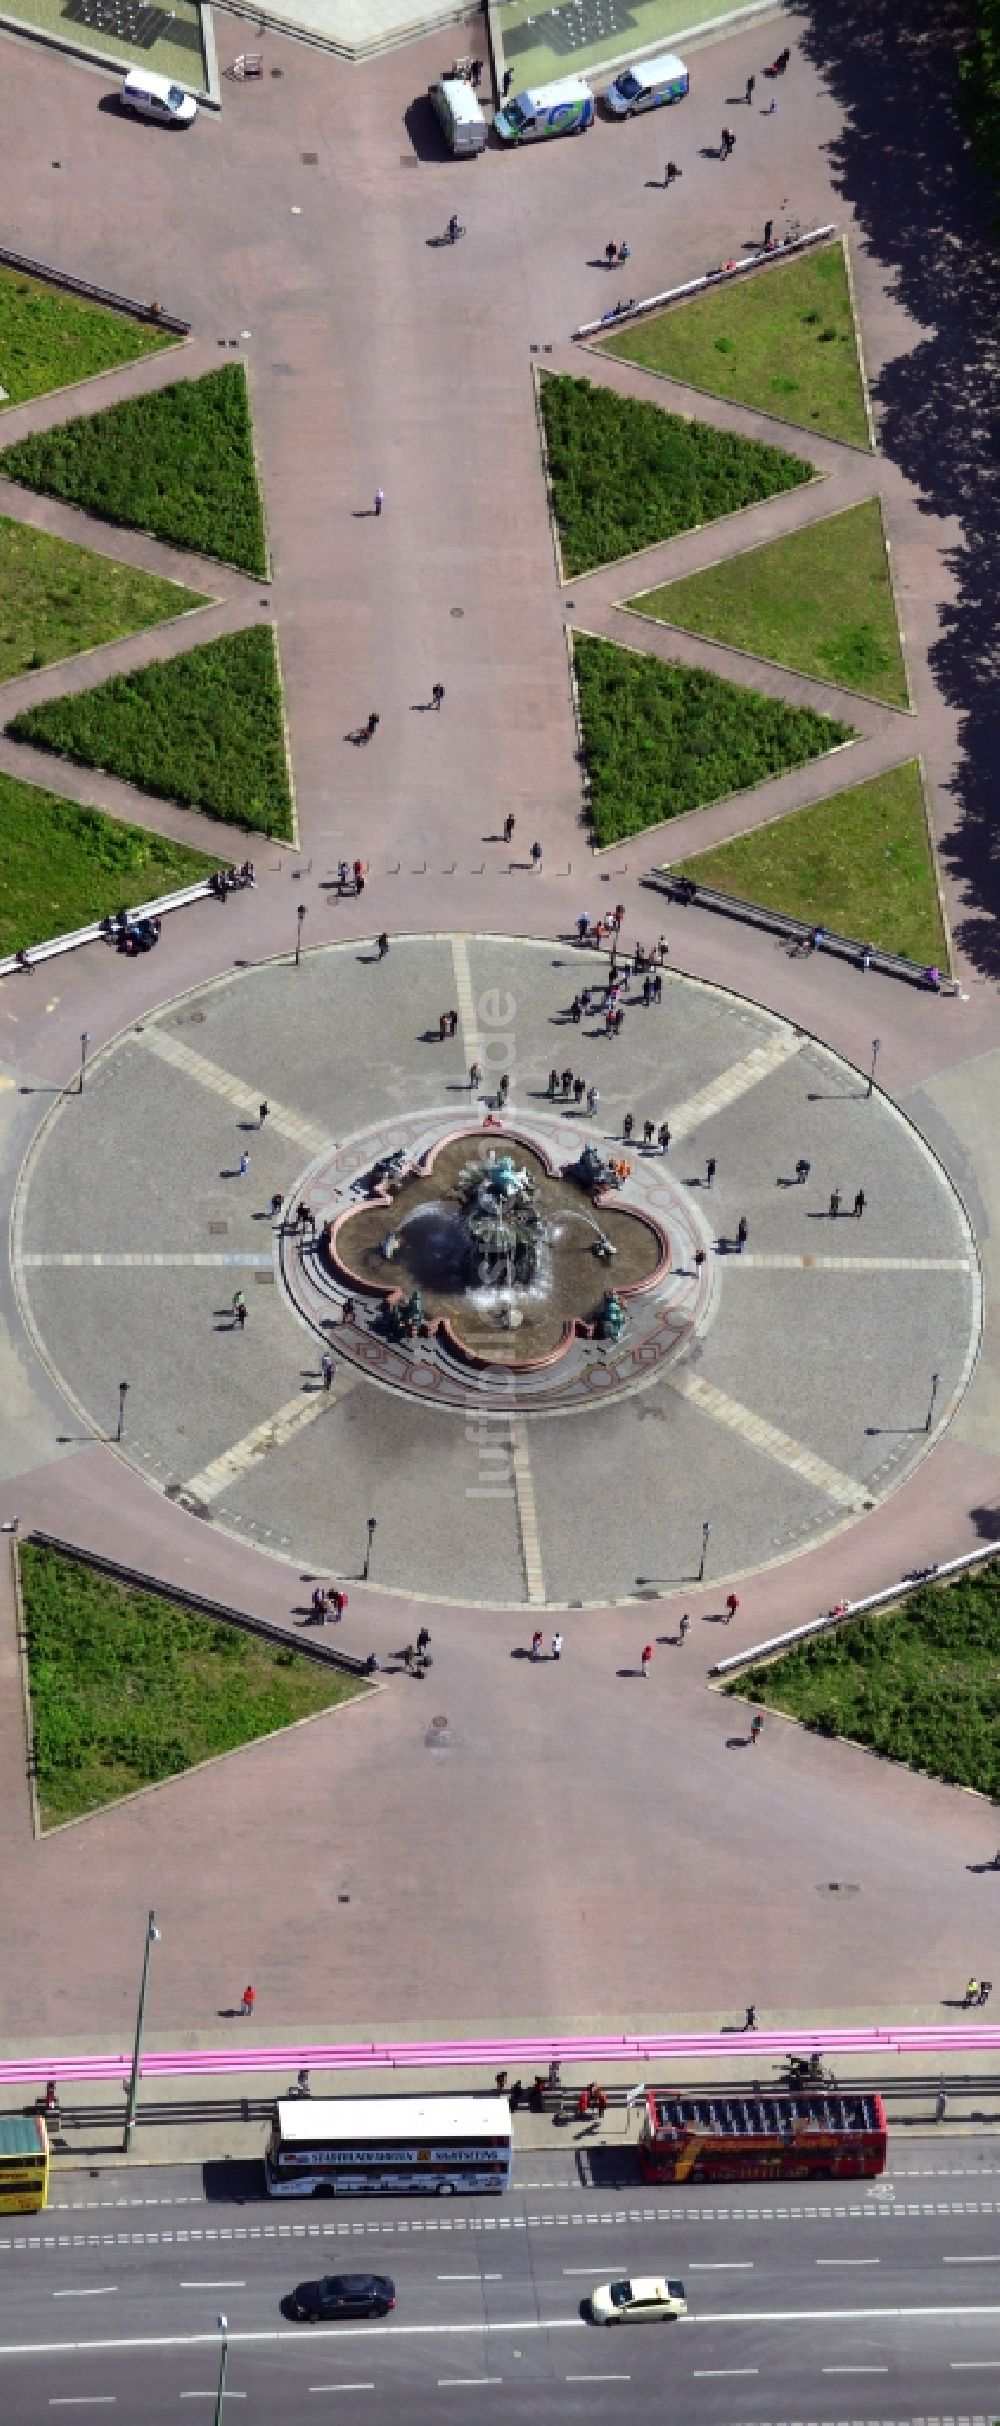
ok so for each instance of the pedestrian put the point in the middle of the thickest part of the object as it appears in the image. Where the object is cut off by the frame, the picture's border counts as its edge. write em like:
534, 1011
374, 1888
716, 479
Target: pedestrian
624, 252
536, 1643
475, 78
383, 946
670, 172
611, 253
359, 875
648, 1132
576, 1010
372, 725
508, 827
647, 992
985, 1987
263, 1113
241, 1314
710, 1170
768, 234
238, 1300
475, 1075
751, 81
859, 1204
348, 1313
319, 1605
557, 1644
972, 1992
276, 1203
628, 1125
663, 1136
751, 2020
834, 1204
662, 948
742, 1231
379, 500
756, 1725
244, 1163
503, 1088
567, 1082
453, 1023
249, 2001
601, 2103
553, 1083
647, 1654
578, 1090
338, 1599
728, 142
802, 1170
437, 694
423, 1641
593, 1099
442, 1026
685, 1629
536, 857
326, 1367
732, 1604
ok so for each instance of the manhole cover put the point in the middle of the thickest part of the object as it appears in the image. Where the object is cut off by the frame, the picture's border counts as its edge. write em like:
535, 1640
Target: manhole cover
456, 614
264, 1280
837, 1886
439, 1722
309, 159
408, 160
197, 1019
217, 1229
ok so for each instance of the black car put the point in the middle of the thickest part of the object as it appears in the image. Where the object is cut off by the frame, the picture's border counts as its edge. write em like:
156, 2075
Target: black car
337, 2295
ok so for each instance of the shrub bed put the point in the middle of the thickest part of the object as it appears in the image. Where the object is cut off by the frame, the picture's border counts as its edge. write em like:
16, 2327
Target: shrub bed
50, 340
62, 866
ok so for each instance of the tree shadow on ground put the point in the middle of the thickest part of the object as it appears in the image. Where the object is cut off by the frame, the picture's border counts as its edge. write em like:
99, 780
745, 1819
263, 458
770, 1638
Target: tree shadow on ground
903, 163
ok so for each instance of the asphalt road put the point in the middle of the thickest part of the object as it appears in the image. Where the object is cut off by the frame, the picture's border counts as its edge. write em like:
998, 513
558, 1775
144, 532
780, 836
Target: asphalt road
807, 2302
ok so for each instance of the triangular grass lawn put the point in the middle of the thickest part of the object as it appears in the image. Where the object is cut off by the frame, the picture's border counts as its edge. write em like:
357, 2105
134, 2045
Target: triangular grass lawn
625, 474
661, 739
916, 1684
205, 729
178, 463
50, 340
819, 600
56, 599
783, 340
859, 863
62, 866
128, 1688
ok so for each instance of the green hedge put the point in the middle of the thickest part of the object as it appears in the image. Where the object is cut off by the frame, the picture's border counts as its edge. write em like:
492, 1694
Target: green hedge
178, 463
127, 1688
626, 474
921, 1684
204, 729
61, 866
50, 340
660, 739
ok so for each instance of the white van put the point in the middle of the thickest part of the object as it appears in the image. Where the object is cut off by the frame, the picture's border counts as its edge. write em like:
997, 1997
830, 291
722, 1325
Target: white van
565, 108
647, 85
155, 97
461, 119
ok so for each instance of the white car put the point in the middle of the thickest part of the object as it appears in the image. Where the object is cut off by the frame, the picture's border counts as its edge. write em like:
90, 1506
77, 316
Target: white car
629, 2302
153, 96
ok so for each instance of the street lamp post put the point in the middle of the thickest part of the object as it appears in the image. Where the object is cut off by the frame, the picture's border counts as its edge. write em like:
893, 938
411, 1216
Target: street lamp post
122, 1396
876, 1049
372, 1522
935, 1386
84, 1042
223, 2325
300, 915
705, 1531
152, 1933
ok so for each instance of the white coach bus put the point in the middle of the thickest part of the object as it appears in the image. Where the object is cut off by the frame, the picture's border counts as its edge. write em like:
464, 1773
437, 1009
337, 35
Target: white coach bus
337, 2146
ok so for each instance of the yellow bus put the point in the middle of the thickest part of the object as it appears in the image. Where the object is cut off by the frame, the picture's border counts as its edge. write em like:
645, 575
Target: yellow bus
24, 2162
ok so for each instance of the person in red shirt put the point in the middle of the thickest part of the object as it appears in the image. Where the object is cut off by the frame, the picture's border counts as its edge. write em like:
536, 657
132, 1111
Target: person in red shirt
732, 1604
647, 1653
249, 2001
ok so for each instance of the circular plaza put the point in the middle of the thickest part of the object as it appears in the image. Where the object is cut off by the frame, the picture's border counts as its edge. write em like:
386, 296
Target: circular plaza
735, 1399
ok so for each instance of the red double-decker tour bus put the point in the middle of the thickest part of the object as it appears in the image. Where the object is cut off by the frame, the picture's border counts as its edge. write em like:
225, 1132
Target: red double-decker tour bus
799, 2135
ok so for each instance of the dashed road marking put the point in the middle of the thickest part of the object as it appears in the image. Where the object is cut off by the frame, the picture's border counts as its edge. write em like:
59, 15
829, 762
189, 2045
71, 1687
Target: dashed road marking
759, 1434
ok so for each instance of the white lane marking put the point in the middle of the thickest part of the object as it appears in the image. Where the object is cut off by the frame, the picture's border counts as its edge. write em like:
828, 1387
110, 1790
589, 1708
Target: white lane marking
273, 1433
455, 2382
974, 2363
710, 2371
724, 2265
342, 2387
212, 2396
597, 2379
470, 2278
94, 2291
985, 2260
766, 1437
847, 2261
242, 1098
854, 2371
213, 2286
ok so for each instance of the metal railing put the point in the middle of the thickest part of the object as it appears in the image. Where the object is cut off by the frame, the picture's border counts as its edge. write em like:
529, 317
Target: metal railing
688, 892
